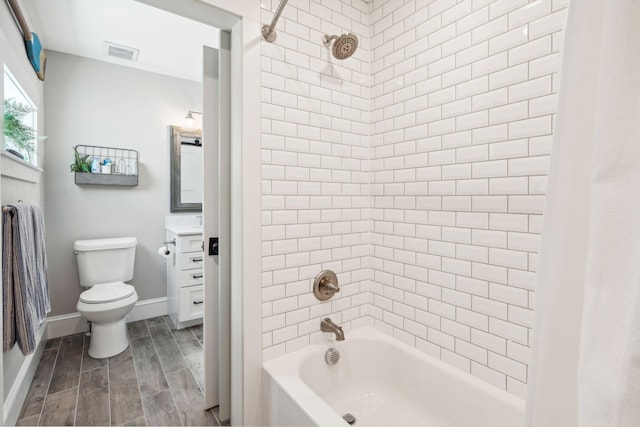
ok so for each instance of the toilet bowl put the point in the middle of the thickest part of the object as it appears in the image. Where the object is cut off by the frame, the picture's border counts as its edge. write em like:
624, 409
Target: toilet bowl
105, 306
104, 265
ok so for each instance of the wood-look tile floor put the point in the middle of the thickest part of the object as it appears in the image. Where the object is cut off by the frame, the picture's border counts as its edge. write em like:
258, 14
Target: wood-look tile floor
156, 381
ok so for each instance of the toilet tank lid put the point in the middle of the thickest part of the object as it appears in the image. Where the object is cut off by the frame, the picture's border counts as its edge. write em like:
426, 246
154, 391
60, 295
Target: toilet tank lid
102, 244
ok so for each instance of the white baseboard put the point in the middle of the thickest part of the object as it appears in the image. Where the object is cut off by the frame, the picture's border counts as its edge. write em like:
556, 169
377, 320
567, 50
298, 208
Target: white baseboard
148, 308
66, 324
74, 323
18, 393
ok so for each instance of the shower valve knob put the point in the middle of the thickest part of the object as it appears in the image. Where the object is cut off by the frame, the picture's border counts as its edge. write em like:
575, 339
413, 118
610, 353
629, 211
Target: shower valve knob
325, 285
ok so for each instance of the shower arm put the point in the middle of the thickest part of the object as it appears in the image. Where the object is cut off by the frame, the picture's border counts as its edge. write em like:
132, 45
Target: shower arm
268, 31
326, 39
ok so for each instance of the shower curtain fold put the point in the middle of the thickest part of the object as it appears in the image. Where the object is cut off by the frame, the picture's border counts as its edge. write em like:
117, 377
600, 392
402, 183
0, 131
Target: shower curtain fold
585, 367
26, 299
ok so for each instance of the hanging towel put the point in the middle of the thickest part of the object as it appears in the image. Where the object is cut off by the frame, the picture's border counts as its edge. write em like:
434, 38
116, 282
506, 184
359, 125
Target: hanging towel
43, 305
9, 265
24, 270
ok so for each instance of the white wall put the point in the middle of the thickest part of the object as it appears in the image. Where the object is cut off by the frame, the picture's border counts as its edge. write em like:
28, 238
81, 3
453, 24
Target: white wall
315, 172
14, 56
462, 98
95, 103
14, 188
463, 107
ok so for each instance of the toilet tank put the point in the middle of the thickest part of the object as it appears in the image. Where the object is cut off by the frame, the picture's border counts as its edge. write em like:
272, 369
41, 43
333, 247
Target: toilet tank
105, 260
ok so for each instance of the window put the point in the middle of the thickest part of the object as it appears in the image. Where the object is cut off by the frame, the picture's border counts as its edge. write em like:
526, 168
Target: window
20, 120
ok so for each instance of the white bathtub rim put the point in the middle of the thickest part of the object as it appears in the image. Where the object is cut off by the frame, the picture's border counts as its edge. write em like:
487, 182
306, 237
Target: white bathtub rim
368, 332
285, 371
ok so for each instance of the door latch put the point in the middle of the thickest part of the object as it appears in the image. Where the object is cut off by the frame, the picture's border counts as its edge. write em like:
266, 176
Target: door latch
213, 246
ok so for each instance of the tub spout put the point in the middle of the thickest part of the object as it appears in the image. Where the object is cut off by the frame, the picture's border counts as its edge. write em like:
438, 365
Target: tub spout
326, 325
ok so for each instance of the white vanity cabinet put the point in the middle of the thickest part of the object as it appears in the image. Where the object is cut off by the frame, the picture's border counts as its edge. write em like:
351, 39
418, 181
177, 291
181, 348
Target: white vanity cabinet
185, 278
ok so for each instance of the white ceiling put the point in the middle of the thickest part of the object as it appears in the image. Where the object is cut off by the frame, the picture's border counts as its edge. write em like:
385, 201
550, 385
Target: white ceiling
168, 44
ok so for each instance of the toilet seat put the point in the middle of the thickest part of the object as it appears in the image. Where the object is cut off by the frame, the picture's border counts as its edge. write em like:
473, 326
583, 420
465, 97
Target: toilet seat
107, 292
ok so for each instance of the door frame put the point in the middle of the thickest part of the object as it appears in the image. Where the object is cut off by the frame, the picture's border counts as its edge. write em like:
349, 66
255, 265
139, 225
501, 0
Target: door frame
242, 19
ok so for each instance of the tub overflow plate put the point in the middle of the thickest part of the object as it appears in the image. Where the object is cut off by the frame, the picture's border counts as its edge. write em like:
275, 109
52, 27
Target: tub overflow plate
332, 356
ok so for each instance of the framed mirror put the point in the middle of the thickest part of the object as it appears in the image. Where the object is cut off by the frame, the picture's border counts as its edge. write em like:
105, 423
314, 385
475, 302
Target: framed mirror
186, 169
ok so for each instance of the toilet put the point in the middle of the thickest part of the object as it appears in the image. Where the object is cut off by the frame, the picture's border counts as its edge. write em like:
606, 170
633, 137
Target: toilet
103, 266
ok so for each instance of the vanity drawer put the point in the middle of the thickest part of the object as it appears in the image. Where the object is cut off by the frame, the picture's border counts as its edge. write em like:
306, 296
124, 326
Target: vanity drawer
191, 303
191, 277
191, 260
190, 243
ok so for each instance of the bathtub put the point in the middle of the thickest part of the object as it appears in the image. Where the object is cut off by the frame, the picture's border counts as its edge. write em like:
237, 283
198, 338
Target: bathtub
381, 382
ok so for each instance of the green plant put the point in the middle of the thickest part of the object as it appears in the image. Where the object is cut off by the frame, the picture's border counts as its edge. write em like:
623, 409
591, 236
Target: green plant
81, 163
21, 136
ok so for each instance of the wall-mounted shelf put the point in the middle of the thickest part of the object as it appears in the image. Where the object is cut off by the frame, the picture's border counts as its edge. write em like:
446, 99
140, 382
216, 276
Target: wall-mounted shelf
83, 178
124, 166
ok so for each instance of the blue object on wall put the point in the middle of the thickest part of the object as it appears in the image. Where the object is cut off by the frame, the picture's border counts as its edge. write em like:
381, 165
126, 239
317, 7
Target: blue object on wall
31, 41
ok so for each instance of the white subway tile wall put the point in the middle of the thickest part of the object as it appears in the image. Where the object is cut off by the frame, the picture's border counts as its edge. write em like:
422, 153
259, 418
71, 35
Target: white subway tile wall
315, 171
463, 102
416, 170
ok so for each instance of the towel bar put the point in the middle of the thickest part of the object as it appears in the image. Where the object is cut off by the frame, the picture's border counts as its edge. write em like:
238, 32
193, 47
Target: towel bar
9, 208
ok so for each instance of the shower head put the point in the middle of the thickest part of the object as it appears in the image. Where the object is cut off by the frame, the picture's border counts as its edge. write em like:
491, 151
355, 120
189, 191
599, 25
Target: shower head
343, 46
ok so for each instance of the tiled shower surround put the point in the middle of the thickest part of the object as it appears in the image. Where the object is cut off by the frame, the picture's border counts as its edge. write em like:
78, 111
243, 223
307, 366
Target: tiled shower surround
315, 172
416, 170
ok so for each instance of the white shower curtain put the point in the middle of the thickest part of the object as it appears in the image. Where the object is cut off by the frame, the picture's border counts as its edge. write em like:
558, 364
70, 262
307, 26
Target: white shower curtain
585, 367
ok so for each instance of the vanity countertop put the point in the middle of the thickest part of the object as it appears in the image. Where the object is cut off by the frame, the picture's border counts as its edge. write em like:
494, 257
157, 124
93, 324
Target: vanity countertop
182, 230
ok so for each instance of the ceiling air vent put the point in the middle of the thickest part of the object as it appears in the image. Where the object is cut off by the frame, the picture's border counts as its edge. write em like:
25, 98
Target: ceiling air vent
120, 51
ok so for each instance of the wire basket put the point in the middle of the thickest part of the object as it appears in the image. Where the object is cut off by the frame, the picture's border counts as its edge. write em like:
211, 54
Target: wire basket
122, 168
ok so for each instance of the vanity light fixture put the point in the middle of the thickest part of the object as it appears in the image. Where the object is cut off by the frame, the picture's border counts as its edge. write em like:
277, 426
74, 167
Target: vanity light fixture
189, 120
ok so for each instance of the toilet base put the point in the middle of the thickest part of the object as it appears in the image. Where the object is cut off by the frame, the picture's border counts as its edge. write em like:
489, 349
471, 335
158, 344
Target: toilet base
108, 339
108, 325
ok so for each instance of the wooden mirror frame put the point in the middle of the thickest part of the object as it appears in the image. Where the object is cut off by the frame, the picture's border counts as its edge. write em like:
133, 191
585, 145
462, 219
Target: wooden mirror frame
175, 134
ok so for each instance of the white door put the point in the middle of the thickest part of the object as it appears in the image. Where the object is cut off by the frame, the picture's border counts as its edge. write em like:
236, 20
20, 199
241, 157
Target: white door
216, 220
